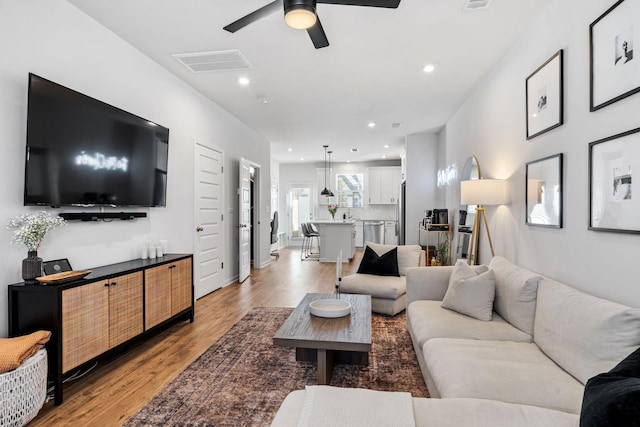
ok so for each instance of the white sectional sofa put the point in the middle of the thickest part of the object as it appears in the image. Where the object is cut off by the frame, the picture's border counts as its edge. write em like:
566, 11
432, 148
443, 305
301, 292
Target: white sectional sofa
527, 366
544, 342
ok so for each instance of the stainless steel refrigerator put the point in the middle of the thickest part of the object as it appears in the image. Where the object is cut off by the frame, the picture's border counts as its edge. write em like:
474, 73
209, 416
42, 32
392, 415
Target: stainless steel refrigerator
401, 226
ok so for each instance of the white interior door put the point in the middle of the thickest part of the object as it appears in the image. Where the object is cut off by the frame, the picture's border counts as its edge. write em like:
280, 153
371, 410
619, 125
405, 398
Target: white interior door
300, 208
244, 220
207, 266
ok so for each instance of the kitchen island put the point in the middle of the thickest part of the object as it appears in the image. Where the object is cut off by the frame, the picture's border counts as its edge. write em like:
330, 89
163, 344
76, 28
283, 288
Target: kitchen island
336, 236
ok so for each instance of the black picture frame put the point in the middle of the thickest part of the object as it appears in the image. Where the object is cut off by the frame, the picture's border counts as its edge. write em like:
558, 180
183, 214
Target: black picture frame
614, 73
56, 266
544, 192
612, 205
544, 90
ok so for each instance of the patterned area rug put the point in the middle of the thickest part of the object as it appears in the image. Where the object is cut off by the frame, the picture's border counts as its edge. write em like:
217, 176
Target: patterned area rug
242, 379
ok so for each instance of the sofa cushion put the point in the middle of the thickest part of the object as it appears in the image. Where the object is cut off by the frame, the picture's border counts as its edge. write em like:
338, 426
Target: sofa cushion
584, 334
429, 320
486, 413
516, 291
380, 265
388, 287
469, 293
451, 413
500, 370
408, 255
611, 399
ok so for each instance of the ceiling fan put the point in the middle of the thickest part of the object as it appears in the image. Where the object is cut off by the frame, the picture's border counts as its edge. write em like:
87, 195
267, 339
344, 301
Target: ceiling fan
301, 15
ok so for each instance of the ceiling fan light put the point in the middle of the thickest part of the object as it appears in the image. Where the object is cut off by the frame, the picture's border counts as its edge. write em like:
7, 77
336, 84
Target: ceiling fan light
300, 16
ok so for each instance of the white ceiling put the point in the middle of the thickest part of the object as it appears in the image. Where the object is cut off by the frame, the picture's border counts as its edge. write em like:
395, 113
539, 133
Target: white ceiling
372, 70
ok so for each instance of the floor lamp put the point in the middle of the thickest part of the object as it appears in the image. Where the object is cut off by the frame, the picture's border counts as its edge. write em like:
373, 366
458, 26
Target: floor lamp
481, 192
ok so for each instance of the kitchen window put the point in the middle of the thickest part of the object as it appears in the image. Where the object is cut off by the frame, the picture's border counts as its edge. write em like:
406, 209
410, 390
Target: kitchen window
349, 188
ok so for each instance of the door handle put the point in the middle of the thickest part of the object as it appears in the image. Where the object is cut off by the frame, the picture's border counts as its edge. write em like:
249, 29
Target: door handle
199, 229
241, 225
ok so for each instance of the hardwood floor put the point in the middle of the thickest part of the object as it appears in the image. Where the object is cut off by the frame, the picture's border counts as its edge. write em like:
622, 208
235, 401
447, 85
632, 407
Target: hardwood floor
122, 384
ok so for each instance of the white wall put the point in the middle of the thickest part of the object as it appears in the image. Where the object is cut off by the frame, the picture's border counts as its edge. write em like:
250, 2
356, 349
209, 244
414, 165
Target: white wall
422, 191
55, 40
491, 125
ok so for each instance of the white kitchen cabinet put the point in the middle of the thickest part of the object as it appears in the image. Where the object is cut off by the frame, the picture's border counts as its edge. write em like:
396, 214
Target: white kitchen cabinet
336, 237
359, 235
390, 237
384, 184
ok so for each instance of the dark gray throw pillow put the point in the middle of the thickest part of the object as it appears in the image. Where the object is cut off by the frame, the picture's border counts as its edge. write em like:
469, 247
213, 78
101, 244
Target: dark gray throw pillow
380, 265
613, 399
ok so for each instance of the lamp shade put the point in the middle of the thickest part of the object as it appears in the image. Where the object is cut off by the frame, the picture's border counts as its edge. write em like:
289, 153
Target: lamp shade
483, 192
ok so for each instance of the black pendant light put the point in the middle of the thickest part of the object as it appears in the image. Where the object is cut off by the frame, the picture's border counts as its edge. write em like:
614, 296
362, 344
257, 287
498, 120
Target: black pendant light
330, 192
325, 192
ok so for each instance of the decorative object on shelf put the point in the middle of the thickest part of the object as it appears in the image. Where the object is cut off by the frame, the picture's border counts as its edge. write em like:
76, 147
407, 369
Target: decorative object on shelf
332, 210
326, 192
443, 251
614, 72
30, 230
544, 97
56, 266
31, 267
612, 206
482, 192
543, 192
66, 276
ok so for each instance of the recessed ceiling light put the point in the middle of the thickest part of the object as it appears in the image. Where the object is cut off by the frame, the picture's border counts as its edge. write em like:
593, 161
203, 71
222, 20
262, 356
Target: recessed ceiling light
244, 81
384, 157
348, 161
289, 149
302, 159
429, 68
386, 145
371, 124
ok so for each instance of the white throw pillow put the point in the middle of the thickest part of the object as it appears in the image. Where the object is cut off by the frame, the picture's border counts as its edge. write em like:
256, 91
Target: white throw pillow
470, 294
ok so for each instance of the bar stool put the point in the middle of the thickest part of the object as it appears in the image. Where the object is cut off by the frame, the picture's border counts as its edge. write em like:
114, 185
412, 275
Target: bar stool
309, 233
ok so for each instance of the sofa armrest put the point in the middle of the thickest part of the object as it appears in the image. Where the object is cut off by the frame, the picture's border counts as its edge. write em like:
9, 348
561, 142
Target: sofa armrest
427, 283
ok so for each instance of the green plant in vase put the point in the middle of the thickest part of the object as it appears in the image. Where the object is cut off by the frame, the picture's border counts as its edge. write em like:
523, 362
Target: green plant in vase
332, 210
443, 251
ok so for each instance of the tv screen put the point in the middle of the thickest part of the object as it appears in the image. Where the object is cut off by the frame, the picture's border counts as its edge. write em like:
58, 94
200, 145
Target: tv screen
83, 152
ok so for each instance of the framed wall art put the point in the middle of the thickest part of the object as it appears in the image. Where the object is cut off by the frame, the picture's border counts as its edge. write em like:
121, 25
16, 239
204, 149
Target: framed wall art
612, 204
614, 72
544, 192
544, 88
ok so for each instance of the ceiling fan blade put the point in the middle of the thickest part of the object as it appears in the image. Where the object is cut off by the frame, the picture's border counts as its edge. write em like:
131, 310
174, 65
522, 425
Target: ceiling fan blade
318, 37
392, 4
254, 16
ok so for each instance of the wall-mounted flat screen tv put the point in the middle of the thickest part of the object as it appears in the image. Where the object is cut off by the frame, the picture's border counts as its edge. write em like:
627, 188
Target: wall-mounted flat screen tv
83, 152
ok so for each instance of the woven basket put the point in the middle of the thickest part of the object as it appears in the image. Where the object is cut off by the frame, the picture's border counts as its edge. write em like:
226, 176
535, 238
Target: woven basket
23, 391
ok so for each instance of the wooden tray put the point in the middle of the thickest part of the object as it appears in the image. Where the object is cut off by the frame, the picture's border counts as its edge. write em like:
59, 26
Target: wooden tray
66, 276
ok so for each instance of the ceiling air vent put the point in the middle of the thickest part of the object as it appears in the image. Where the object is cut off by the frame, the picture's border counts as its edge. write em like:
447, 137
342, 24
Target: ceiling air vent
476, 5
204, 62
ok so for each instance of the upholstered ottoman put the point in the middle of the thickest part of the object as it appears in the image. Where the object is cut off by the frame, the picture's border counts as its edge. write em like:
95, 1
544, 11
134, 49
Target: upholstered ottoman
388, 292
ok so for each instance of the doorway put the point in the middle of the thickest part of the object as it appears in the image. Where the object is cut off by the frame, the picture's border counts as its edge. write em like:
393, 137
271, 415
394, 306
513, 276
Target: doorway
207, 260
249, 223
300, 203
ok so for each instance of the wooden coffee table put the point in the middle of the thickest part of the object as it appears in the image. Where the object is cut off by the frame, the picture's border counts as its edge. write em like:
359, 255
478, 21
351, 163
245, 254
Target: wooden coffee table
344, 340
